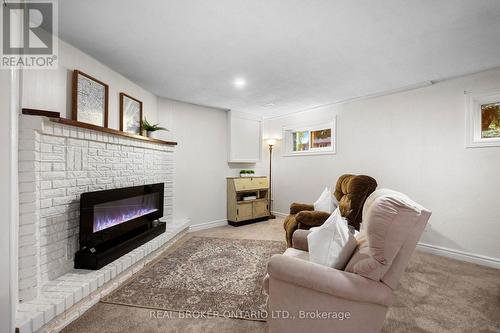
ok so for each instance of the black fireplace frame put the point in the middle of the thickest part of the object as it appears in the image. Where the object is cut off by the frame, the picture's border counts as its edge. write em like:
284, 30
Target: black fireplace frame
102, 247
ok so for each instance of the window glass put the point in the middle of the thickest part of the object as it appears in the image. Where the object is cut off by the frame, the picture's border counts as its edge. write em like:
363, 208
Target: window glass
309, 140
300, 140
490, 120
321, 138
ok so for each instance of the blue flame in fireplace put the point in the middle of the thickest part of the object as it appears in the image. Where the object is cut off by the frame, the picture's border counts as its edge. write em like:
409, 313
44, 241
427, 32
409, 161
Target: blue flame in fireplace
109, 214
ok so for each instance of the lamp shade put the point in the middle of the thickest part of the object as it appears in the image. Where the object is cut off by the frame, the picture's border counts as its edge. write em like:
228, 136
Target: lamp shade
271, 141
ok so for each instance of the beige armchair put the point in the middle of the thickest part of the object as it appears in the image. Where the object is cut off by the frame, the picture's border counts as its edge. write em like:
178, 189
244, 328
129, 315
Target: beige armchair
307, 297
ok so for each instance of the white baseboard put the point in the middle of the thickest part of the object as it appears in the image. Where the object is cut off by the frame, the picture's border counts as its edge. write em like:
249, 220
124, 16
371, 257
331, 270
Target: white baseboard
207, 225
280, 214
460, 255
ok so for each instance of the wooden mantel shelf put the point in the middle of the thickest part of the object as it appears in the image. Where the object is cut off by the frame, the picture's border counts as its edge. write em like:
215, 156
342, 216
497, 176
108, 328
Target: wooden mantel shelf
75, 123
54, 117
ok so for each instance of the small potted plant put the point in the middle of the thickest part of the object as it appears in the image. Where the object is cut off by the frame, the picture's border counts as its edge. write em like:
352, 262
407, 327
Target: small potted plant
247, 173
150, 128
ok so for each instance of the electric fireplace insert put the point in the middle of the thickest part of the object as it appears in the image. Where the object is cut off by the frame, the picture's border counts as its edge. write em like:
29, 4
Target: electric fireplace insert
114, 222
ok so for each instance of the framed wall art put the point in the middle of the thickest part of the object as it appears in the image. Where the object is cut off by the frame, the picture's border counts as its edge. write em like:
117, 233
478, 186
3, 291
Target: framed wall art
130, 114
483, 119
89, 100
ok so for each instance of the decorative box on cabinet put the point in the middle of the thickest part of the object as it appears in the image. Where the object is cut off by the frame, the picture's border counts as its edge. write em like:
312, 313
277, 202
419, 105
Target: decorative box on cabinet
240, 211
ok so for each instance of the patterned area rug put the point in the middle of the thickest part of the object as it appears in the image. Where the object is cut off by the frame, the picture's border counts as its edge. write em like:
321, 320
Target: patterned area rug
210, 276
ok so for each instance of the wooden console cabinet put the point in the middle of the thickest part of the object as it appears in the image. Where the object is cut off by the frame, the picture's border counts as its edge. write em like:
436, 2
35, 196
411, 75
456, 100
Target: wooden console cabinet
240, 211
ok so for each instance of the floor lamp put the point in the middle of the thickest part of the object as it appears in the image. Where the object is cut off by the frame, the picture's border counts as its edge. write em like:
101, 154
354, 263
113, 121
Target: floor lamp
270, 143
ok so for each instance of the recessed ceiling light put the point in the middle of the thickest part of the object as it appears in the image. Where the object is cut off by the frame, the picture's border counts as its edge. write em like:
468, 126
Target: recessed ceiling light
268, 105
239, 82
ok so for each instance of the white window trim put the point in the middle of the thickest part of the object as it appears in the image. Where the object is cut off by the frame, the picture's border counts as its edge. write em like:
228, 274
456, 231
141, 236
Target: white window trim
286, 151
473, 118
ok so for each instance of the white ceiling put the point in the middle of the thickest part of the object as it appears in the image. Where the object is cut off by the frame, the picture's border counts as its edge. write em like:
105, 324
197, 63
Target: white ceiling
293, 54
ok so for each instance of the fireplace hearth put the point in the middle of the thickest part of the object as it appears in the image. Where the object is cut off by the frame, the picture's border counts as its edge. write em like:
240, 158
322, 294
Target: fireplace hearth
114, 222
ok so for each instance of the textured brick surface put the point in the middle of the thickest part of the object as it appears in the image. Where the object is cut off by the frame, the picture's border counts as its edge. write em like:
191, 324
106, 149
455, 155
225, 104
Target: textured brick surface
56, 164
66, 298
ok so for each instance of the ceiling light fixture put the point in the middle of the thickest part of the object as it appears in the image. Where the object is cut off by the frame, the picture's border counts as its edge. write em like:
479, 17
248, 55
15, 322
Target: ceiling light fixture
240, 82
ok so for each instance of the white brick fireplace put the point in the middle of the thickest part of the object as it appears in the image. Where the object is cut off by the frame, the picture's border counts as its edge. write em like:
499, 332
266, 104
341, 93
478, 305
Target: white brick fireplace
56, 164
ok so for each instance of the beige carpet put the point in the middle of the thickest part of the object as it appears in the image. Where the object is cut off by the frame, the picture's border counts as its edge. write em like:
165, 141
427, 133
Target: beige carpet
436, 295
206, 275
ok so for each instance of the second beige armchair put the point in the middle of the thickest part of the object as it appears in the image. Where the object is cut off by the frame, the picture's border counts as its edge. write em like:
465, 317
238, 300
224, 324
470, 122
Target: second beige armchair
351, 192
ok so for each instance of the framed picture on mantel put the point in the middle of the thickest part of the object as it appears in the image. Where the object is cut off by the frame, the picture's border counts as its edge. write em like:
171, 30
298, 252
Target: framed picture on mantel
89, 100
130, 114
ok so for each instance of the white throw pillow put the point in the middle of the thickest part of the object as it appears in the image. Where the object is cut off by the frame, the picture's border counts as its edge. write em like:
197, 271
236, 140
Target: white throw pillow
326, 202
332, 244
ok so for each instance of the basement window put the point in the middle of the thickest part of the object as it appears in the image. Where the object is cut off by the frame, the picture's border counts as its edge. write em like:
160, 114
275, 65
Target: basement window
483, 119
309, 140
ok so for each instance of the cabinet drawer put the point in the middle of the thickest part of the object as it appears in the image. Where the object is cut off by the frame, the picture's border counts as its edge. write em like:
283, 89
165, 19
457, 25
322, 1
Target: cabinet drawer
262, 182
260, 209
244, 211
244, 184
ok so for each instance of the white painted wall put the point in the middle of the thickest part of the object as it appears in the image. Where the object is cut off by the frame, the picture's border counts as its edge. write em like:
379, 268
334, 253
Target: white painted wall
6, 289
10, 83
51, 89
413, 142
201, 164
